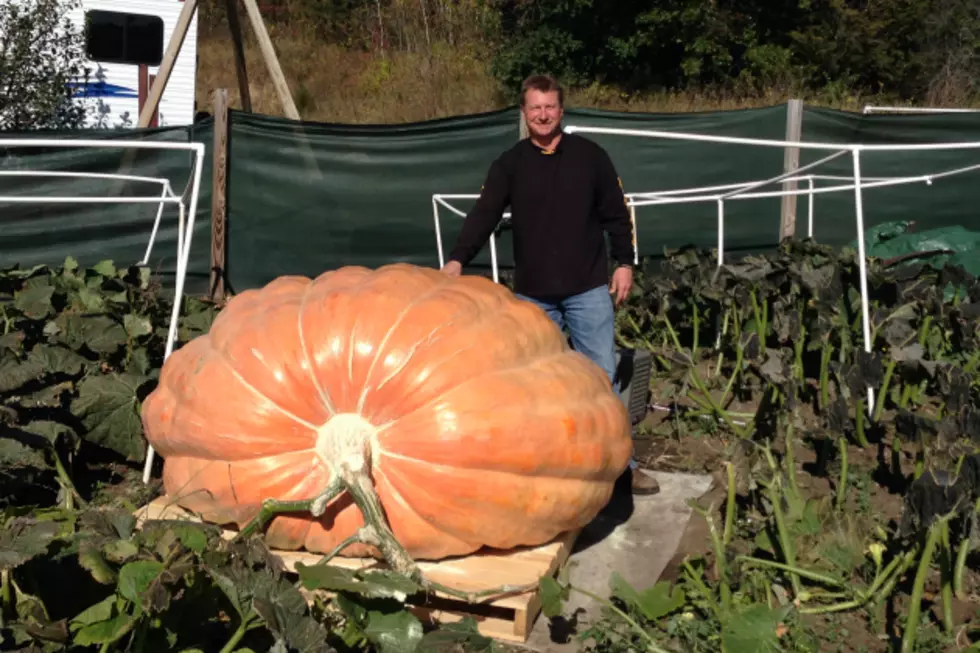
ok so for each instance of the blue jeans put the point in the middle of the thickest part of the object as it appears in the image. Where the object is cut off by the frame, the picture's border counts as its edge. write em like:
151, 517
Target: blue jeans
590, 319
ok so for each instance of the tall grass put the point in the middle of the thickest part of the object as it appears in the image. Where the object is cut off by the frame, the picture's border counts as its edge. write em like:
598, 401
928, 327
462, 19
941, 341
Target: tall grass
408, 69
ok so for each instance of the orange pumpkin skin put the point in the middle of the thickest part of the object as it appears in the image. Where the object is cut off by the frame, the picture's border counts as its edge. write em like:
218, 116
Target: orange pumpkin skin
481, 427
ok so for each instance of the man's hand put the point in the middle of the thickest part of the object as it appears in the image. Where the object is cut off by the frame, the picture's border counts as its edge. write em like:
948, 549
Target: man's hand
622, 281
453, 268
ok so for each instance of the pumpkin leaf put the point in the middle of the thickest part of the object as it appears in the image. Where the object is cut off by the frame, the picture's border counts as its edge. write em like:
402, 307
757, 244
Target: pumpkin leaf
136, 577
553, 596
23, 539
34, 301
458, 635
101, 632
393, 632
371, 584
101, 611
14, 454
58, 360
15, 374
284, 611
137, 326
12, 342
192, 536
91, 559
106, 268
108, 407
198, 319
120, 551
90, 300
653, 603
98, 333
755, 629
140, 365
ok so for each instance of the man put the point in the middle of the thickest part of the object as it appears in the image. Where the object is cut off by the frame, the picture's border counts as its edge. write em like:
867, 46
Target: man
563, 192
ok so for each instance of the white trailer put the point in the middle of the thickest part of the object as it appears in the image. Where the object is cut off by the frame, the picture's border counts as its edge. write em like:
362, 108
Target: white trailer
124, 44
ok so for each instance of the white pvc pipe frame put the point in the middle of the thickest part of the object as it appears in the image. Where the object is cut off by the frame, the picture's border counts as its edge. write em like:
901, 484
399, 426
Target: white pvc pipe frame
440, 199
839, 149
651, 198
166, 196
740, 191
870, 108
185, 224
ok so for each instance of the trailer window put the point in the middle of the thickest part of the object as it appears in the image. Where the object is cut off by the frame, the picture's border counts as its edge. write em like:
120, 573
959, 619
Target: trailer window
115, 37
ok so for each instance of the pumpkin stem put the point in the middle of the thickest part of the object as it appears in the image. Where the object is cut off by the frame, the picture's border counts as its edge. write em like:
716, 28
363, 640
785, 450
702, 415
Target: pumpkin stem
272, 507
354, 477
376, 530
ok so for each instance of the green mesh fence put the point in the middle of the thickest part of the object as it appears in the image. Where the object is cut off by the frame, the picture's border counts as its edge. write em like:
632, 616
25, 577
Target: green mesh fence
945, 202
307, 197
48, 232
304, 198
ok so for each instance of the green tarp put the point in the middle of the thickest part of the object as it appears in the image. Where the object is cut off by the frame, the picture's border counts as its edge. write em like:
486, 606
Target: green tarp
658, 164
307, 197
946, 202
48, 232
903, 242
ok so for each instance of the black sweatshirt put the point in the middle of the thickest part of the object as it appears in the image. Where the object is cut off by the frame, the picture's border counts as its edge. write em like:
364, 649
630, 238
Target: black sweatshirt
561, 202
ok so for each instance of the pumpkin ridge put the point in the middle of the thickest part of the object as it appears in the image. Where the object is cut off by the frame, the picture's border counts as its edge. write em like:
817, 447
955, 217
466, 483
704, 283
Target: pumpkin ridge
482, 375
223, 357
442, 284
415, 348
178, 493
324, 395
406, 505
485, 535
538, 473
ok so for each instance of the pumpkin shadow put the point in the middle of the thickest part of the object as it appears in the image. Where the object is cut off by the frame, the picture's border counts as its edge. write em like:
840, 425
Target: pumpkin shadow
616, 512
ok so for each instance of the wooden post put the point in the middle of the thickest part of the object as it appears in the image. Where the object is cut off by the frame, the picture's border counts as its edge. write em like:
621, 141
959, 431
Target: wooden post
219, 195
235, 26
167, 65
791, 161
271, 61
522, 125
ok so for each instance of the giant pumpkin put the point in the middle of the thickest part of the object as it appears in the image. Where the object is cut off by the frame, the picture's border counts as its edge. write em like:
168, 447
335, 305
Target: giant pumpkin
475, 422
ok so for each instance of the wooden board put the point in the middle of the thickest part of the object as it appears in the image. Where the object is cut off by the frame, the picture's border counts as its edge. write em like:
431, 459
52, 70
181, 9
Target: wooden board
508, 618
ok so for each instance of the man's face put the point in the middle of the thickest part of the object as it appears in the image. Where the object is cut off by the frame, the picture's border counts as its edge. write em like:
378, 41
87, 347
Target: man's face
542, 113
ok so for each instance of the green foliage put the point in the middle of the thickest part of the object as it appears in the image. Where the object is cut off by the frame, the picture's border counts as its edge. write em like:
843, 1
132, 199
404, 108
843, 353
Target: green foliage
768, 353
41, 52
784, 332
918, 50
182, 587
79, 350
903, 48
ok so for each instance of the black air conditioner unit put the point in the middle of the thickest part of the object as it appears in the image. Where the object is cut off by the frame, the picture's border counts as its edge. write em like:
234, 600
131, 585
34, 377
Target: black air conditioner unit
634, 368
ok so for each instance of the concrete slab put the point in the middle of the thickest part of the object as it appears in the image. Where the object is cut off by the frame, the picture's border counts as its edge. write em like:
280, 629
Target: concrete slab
635, 536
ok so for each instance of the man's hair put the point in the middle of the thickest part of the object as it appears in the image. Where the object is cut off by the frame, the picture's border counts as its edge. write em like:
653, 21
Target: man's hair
544, 84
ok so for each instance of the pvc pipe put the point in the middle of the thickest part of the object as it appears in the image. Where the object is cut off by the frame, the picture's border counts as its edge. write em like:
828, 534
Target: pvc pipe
683, 136
863, 265
183, 260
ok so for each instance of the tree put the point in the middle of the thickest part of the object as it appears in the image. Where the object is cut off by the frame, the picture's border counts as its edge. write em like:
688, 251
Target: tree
41, 54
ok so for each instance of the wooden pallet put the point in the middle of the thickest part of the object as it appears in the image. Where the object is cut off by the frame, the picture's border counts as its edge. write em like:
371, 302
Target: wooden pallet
509, 618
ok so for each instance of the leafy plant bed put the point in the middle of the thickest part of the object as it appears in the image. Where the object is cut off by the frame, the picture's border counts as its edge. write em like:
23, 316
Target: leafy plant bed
761, 375
836, 526
505, 617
